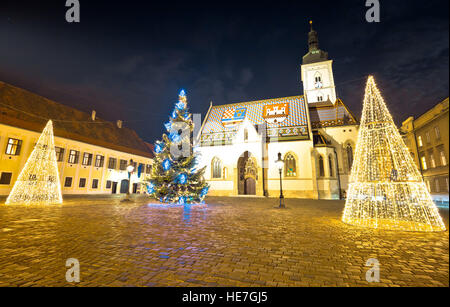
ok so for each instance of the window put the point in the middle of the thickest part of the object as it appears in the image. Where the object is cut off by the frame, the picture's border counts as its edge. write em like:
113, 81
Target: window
321, 167
437, 132
112, 163
443, 159
432, 162
59, 154
330, 165
123, 165
245, 135
74, 155
108, 184
99, 160
318, 79
95, 183
142, 167
82, 183
216, 165
428, 137
419, 141
349, 157
446, 183
428, 186
290, 167
148, 169
68, 182
319, 98
13, 147
436, 184
87, 158
5, 178
424, 162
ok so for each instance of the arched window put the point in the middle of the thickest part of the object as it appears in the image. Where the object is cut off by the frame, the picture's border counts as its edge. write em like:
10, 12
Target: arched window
321, 167
330, 165
216, 166
349, 157
290, 167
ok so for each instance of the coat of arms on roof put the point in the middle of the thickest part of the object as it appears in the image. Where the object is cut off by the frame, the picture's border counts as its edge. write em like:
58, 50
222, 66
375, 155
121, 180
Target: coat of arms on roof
232, 117
276, 113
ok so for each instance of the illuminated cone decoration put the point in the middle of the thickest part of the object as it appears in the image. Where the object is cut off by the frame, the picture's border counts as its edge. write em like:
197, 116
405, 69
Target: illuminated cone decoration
386, 190
38, 183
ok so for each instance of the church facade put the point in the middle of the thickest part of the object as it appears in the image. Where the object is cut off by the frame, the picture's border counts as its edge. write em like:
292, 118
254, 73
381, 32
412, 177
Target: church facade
315, 134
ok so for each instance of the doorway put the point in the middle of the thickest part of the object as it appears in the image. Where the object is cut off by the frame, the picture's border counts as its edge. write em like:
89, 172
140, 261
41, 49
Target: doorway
247, 174
124, 186
114, 187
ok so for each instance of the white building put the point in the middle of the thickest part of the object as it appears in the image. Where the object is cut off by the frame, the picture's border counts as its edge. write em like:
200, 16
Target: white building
315, 134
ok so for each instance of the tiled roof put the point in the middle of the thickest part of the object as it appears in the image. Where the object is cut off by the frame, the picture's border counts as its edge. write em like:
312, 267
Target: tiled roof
329, 115
23, 109
294, 124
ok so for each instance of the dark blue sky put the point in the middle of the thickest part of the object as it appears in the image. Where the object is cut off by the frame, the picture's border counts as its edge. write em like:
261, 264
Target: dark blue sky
128, 59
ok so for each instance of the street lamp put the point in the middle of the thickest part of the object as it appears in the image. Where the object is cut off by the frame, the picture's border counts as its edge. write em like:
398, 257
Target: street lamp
130, 170
280, 163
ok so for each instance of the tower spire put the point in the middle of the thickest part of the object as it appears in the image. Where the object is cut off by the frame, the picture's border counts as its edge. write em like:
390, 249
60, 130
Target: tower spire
313, 38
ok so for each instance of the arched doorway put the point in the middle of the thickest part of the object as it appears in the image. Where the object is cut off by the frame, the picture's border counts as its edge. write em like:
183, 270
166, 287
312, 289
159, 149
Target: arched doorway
247, 174
124, 186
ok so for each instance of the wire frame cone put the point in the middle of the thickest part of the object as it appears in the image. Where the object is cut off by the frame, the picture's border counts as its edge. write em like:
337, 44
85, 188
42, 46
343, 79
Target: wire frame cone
38, 182
386, 189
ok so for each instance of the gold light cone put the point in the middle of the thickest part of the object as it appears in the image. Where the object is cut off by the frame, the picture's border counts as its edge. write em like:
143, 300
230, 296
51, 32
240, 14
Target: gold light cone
386, 189
38, 182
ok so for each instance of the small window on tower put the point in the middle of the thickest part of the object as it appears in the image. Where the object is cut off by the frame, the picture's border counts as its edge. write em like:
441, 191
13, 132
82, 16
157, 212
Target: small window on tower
319, 98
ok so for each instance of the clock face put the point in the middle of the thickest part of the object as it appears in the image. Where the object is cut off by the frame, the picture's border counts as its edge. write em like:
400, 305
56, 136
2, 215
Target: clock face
318, 84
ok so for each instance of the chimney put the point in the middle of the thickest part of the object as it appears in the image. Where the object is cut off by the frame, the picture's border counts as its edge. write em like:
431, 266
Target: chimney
93, 115
119, 124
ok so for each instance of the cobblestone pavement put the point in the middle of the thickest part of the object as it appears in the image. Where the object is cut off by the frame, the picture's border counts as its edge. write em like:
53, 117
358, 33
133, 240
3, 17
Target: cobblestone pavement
234, 242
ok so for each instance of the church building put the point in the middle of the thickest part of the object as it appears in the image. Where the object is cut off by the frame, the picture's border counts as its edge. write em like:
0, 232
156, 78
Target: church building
315, 133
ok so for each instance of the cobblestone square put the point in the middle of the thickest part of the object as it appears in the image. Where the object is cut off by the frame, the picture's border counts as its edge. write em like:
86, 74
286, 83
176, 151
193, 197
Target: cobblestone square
233, 242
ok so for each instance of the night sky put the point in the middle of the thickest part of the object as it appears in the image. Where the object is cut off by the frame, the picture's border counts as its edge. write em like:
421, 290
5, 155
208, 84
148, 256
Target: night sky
128, 59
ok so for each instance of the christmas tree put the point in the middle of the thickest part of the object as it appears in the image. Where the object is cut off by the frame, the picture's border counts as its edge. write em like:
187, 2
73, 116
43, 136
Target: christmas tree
38, 182
386, 189
175, 179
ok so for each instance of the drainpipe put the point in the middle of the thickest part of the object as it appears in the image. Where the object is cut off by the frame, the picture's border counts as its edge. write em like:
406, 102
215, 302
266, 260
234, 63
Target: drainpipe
337, 172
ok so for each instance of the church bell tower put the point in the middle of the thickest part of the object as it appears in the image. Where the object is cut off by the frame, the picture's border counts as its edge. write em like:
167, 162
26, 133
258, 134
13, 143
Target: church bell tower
317, 72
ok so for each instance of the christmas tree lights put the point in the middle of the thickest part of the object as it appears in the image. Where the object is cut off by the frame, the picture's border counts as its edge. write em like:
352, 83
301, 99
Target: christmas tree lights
386, 190
175, 179
38, 182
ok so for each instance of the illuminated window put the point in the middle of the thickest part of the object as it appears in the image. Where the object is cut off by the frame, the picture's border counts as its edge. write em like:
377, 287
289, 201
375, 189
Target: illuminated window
428, 137
349, 157
87, 159
73, 156
428, 186
216, 166
437, 132
112, 163
330, 165
432, 162
59, 154
321, 167
419, 141
424, 162
13, 147
290, 167
99, 160
437, 187
443, 159
148, 169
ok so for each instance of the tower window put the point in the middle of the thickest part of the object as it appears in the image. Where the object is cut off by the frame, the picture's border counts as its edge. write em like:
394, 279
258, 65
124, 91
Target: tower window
319, 98
318, 79
321, 167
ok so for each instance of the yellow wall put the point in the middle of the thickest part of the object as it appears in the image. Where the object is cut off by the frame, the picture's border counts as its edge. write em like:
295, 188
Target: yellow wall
14, 164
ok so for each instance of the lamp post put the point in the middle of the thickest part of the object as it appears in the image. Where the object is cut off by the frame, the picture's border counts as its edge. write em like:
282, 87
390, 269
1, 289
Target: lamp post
280, 163
130, 170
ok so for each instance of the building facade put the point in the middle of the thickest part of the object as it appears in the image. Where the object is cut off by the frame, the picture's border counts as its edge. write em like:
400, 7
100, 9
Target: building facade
92, 154
315, 134
427, 138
